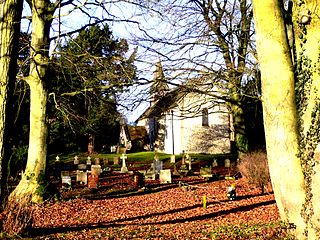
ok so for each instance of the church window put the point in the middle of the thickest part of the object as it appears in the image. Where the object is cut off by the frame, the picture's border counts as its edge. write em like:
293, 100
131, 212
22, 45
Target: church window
205, 117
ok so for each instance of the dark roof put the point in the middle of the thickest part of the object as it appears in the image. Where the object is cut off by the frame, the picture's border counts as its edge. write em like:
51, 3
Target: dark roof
164, 104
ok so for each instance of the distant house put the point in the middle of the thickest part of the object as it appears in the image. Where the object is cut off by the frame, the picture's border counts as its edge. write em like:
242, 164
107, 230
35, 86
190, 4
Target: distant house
133, 138
185, 119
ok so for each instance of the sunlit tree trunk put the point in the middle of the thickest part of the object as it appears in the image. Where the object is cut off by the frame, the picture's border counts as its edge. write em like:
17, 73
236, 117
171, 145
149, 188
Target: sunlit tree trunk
291, 110
30, 183
10, 14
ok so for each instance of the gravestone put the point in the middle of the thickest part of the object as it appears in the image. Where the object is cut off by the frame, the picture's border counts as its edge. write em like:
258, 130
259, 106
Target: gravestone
124, 168
96, 170
89, 160
116, 160
113, 149
106, 162
151, 172
175, 171
227, 163
97, 161
82, 177
82, 167
76, 160
158, 164
93, 182
215, 163
206, 172
165, 176
172, 159
65, 180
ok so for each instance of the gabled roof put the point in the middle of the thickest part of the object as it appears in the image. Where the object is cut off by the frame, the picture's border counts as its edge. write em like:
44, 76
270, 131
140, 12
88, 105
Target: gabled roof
164, 104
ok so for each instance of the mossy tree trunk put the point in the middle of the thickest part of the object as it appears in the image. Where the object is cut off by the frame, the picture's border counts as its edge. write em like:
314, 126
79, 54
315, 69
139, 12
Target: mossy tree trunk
30, 184
291, 109
10, 14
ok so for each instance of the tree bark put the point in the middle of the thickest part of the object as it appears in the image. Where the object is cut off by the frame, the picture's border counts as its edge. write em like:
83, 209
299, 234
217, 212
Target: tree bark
33, 176
10, 14
291, 110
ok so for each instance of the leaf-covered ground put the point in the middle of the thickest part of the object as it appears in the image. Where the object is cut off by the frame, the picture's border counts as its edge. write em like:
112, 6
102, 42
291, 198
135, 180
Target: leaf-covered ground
170, 213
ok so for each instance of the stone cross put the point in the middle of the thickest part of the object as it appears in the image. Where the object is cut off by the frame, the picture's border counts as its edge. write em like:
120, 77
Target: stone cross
124, 168
57, 158
215, 163
76, 160
89, 160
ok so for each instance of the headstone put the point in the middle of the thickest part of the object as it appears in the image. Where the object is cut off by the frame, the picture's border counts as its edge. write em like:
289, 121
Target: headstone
175, 171
138, 180
124, 168
113, 149
158, 164
206, 172
151, 172
57, 158
215, 163
165, 176
116, 160
93, 181
97, 161
65, 180
89, 160
96, 170
82, 177
172, 159
106, 162
76, 160
184, 170
82, 166
227, 163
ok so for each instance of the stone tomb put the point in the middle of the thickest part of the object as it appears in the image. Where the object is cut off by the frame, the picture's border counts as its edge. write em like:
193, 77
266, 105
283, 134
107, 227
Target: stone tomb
165, 176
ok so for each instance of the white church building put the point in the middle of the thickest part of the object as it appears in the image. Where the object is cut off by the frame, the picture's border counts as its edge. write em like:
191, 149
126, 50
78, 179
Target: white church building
185, 118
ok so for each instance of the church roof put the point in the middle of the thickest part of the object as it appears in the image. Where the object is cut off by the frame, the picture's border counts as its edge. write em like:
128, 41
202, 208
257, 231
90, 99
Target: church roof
164, 104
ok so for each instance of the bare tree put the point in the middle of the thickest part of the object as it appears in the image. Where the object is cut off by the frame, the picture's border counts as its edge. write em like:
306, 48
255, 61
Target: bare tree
211, 40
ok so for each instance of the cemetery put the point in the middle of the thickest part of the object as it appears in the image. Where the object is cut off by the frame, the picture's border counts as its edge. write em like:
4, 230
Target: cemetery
95, 177
162, 196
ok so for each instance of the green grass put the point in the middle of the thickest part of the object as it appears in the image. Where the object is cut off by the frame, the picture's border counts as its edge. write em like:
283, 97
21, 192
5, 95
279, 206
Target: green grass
139, 158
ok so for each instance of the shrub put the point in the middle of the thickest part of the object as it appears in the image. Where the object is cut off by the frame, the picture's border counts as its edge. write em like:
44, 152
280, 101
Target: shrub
254, 168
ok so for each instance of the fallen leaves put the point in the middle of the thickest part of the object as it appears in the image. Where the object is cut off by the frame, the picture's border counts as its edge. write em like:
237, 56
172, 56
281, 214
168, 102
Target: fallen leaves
167, 214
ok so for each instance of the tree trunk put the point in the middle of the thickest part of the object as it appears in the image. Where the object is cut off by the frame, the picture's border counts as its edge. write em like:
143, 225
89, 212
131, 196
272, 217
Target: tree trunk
292, 130
10, 14
33, 176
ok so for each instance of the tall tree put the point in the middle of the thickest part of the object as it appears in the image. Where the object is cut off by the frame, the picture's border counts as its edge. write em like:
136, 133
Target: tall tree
10, 17
91, 72
42, 15
288, 46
